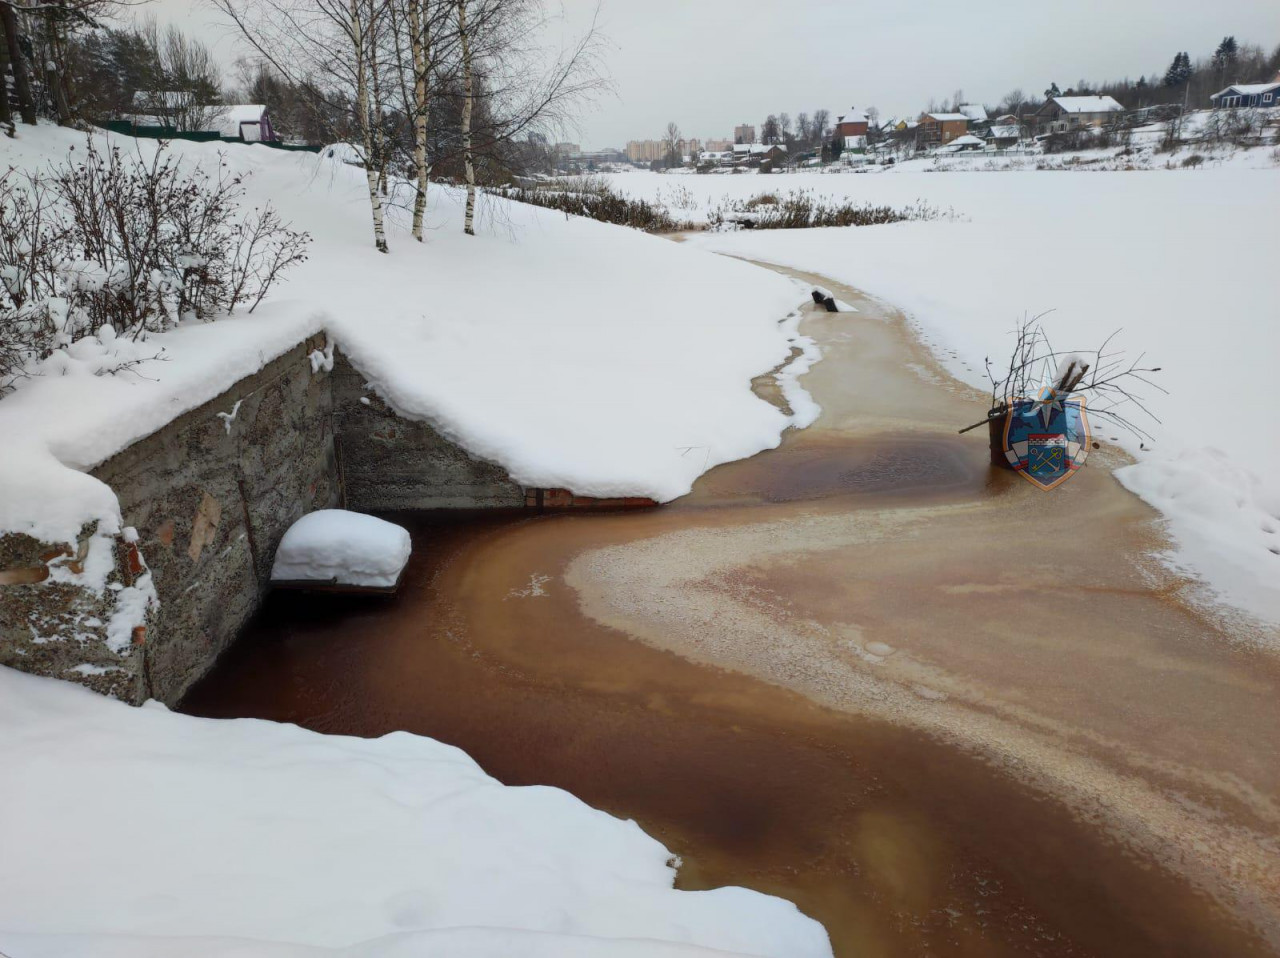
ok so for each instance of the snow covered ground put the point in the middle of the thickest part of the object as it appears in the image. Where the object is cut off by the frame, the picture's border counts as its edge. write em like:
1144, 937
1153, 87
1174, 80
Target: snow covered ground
573, 353
138, 832
1183, 262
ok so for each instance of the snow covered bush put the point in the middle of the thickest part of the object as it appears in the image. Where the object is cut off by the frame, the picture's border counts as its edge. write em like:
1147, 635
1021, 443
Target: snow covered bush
29, 307
802, 209
593, 198
134, 243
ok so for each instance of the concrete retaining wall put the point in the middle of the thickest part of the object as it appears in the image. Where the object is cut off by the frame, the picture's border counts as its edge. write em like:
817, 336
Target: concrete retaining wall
210, 496
390, 464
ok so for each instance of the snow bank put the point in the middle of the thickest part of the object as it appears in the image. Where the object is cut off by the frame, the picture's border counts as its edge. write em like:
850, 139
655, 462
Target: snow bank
572, 353
333, 545
1183, 263
141, 832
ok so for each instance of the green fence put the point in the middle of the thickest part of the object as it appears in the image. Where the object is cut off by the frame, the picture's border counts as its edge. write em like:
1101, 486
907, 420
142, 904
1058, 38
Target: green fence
129, 128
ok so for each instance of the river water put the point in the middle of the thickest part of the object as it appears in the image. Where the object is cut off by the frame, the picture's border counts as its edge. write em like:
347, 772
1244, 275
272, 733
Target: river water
943, 712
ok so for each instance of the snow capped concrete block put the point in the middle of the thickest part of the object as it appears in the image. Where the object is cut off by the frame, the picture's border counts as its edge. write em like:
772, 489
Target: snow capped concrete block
209, 504
337, 547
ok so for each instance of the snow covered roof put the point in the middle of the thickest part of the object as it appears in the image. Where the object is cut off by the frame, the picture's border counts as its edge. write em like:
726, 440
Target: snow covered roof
974, 111
1004, 132
1247, 89
967, 140
232, 116
947, 117
757, 147
1087, 104
853, 116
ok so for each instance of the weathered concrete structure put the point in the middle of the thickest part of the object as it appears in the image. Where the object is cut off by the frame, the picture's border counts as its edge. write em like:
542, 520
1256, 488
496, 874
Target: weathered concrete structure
210, 496
394, 464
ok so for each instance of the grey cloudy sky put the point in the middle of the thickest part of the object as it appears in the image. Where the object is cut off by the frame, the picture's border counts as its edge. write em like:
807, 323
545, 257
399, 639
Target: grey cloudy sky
710, 64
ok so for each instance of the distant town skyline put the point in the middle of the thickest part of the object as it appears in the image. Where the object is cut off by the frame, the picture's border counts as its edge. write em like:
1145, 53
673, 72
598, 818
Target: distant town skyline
712, 65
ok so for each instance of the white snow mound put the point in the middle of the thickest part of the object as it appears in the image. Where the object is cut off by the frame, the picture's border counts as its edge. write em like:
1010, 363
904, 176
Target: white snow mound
141, 832
346, 548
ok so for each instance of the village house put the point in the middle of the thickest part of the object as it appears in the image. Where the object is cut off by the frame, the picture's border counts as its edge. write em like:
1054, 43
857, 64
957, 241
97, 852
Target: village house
851, 130
249, 122
976, 112
939, 129
756, 153
964, 144
182, 112
1063, 113
1004, 135
1262, 95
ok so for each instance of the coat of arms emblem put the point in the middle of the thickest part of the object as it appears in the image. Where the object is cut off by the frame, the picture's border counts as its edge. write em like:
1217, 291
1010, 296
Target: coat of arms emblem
1046, 439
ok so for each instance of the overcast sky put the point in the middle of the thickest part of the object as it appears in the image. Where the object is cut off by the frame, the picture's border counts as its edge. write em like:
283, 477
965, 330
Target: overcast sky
711, 64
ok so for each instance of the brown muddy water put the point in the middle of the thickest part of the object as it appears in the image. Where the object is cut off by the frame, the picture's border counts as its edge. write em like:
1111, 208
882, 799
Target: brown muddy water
941, 711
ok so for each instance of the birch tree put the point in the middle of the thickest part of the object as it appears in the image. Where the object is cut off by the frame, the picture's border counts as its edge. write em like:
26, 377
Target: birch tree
337, 41
419, 16
363, 33
468, 105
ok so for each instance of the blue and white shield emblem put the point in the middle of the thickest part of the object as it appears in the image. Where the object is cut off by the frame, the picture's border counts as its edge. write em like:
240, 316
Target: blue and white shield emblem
1047, 439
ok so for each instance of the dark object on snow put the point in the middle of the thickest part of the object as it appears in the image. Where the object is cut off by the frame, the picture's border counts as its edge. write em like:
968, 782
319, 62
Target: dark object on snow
995, 427
822, 298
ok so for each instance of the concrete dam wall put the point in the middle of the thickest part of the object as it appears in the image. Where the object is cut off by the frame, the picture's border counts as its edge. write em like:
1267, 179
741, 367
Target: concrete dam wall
205, 501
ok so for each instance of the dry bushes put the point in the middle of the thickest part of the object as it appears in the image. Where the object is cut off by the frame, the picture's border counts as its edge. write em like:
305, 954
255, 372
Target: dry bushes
104, 239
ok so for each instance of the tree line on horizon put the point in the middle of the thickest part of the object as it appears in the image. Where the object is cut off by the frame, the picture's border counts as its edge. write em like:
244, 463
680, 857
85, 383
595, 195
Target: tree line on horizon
1184, 81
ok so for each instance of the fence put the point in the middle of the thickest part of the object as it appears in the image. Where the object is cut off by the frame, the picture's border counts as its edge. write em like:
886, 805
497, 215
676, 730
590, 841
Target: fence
144, 132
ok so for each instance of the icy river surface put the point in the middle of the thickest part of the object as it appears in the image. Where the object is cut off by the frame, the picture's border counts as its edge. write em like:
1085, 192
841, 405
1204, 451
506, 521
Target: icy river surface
942, 711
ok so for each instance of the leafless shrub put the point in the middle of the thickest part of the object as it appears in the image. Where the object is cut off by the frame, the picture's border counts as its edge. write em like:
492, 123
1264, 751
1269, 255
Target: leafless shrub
594, 199
1102, 374
136, 244
801, 209
30, 234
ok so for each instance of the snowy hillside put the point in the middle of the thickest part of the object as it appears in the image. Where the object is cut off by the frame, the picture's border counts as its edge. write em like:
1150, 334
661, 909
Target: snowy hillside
572, 353
1182, 262
138, 832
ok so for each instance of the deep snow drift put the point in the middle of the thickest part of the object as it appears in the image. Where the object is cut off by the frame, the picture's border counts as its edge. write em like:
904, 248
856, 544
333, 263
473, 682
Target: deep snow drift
1182, 262
572, 353
138, 832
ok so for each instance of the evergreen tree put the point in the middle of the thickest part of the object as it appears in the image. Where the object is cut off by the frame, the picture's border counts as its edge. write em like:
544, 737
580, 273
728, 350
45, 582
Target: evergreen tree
1053, 91
1179, 71
1225, 57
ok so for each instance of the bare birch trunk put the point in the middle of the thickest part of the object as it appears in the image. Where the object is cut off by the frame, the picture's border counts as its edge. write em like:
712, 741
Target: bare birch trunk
468, 93
420, 26
358, 38
379, 134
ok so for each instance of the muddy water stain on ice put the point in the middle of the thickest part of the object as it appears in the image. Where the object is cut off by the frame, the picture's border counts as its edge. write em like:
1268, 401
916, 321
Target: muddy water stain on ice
898, 844
813, 677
